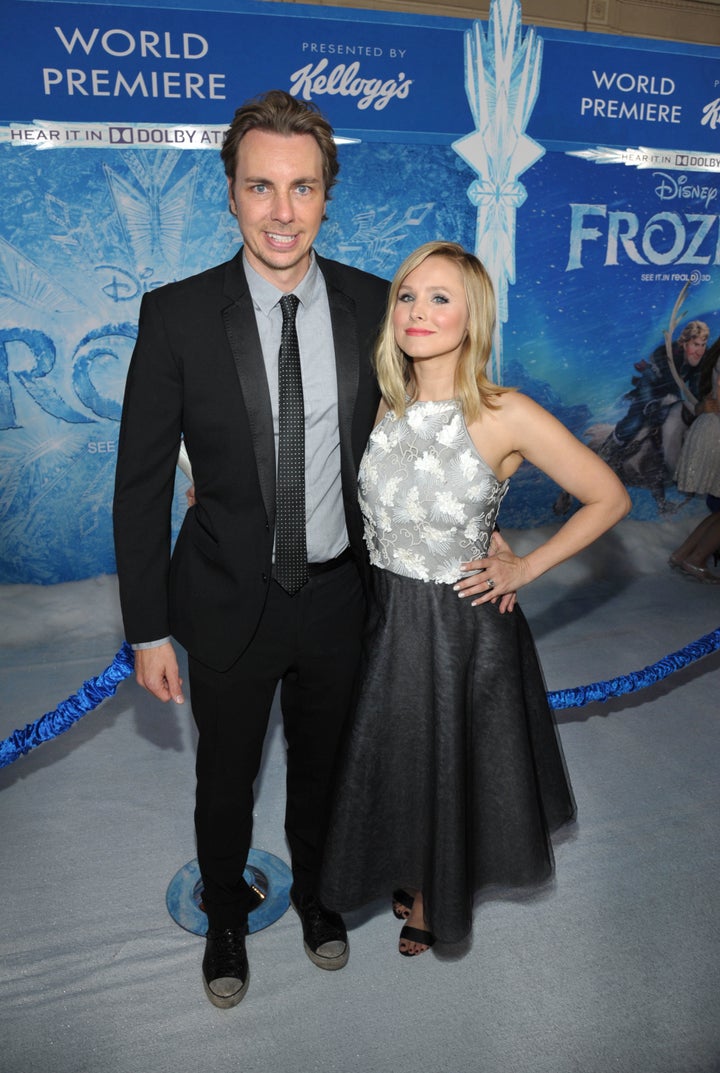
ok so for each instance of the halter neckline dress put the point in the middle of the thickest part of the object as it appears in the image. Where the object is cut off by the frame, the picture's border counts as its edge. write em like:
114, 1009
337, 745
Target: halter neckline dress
452, 775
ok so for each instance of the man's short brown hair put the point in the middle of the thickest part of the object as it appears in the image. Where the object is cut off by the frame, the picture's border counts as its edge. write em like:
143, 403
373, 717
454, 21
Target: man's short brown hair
279, 113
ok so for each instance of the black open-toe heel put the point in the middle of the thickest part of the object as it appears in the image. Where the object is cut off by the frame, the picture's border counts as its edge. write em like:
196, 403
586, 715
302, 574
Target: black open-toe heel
415, 935
402, 904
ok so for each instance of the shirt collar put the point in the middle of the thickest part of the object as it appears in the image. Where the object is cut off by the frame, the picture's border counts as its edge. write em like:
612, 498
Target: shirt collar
266, 295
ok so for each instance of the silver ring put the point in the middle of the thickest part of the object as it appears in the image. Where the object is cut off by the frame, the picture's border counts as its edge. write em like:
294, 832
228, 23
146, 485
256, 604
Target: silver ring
490, 583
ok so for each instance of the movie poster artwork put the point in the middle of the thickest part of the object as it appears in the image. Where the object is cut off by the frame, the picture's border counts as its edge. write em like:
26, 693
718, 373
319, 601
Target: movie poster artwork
585, 175
627, 255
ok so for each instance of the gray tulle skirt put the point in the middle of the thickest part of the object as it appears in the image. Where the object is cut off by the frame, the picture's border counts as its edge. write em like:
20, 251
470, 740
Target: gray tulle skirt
452, 777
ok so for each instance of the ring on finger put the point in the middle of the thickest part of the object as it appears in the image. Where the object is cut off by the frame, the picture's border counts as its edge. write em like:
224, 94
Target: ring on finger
490, 583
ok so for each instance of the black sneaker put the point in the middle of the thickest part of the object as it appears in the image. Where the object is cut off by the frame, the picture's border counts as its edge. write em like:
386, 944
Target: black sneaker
225, 967
324, 933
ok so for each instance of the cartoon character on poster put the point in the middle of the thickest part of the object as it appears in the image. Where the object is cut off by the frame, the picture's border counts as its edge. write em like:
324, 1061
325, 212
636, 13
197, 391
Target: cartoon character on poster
644, 446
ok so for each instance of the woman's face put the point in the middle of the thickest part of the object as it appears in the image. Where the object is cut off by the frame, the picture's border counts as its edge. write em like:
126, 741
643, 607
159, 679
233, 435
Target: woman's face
694, 349
430, 318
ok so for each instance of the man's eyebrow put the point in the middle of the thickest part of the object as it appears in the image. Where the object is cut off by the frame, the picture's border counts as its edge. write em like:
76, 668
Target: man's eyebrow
254, 180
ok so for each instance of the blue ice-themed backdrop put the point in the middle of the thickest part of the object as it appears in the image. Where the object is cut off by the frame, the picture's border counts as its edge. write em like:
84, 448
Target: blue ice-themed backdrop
495, 135
89, 240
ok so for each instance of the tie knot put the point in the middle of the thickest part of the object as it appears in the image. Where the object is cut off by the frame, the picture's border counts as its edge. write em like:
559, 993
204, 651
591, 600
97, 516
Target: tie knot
289, 304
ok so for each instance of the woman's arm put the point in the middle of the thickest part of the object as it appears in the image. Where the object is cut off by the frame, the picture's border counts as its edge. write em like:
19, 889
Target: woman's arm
522, 430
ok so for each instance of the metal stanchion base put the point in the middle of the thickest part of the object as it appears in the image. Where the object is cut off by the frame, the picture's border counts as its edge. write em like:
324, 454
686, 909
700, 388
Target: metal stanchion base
269, 878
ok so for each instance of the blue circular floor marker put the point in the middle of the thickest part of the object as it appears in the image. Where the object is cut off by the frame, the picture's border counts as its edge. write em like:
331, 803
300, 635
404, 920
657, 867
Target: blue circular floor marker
269, 878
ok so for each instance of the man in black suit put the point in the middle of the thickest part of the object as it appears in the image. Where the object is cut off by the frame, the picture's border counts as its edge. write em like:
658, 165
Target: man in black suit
205, 368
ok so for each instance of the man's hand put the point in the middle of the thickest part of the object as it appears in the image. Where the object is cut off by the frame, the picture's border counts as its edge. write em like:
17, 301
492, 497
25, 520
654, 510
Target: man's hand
156, 669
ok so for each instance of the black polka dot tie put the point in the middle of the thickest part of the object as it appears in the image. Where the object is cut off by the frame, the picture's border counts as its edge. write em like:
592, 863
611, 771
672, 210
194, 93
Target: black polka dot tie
290, 540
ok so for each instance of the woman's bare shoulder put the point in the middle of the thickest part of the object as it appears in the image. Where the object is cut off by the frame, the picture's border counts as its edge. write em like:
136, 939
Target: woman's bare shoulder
514, 405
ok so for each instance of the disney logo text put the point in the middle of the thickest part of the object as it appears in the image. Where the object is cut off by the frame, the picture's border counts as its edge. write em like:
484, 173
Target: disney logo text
669, 188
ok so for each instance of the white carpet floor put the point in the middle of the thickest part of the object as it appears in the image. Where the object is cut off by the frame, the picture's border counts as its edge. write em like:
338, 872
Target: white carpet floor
612, 969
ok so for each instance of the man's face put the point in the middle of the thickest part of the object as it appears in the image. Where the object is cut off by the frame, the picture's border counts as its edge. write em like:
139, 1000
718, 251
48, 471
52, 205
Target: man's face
278, 196
694, 349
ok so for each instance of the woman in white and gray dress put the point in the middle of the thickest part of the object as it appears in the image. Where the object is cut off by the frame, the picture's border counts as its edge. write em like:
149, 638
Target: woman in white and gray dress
453, 777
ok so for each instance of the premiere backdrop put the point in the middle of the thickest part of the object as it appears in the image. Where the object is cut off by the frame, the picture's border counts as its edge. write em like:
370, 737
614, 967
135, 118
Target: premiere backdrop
583, 169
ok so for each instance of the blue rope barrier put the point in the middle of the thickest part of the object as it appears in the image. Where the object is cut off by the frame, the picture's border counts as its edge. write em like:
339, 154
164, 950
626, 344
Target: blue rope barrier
90, 694
630, 683
105, 685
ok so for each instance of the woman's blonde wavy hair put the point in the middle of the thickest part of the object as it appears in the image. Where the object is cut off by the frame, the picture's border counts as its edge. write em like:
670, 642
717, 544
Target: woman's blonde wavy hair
472, 387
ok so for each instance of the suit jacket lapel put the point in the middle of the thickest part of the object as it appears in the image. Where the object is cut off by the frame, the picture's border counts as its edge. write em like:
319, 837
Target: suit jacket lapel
347, 363
242, 333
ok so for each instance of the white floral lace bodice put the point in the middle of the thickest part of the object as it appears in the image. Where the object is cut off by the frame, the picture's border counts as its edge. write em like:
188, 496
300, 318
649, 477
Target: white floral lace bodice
428, 499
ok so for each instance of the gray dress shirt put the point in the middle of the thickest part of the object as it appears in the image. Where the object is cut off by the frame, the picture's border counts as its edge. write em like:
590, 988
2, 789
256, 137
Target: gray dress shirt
324, 513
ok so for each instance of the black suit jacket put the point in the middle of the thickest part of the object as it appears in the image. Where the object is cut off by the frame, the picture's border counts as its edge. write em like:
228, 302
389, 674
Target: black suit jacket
197, 370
